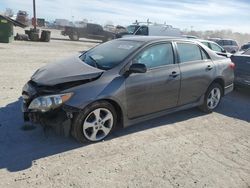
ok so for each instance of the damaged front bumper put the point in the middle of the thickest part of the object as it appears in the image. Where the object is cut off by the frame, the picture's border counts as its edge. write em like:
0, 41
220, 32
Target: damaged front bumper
59, 118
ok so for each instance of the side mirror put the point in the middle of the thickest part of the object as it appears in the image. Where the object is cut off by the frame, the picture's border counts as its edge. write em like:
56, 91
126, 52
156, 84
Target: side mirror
224, 51
137, 68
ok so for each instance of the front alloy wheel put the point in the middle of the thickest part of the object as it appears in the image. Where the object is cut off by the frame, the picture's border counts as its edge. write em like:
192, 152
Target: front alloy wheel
98, 124
95, 122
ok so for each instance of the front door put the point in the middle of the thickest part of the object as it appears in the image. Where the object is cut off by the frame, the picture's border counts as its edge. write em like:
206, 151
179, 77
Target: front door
158, 88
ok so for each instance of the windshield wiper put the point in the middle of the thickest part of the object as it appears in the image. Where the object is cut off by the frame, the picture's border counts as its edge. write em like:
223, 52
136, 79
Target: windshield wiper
95, 62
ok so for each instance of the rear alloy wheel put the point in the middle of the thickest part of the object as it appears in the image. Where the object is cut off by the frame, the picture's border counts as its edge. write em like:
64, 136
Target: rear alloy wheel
212, 98
95, 122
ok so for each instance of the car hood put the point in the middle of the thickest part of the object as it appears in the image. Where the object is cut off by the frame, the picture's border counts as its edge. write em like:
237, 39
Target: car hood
68, 70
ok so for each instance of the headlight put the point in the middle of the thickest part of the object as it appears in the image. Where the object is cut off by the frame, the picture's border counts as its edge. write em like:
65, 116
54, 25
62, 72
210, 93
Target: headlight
46, 103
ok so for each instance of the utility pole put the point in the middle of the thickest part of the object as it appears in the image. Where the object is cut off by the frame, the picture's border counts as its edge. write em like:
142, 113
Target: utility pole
34, 14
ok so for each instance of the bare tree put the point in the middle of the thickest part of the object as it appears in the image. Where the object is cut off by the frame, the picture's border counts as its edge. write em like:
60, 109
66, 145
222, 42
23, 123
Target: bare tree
9, 12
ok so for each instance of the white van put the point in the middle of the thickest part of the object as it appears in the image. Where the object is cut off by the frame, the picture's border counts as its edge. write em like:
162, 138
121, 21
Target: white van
151, 30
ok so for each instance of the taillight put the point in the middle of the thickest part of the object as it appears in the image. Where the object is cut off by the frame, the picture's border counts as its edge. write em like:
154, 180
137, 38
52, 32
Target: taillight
232, 65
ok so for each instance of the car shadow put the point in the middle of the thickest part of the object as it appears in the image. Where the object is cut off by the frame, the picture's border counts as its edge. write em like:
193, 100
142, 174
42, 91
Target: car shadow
236, 105
20, 149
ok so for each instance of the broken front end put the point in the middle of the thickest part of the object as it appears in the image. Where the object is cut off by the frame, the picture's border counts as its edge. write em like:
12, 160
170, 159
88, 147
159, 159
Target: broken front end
45, 105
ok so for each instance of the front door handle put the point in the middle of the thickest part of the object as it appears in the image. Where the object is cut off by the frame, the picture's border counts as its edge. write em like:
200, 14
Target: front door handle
174, 74
209, 67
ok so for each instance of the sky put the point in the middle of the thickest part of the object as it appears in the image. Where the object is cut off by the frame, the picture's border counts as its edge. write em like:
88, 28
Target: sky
184, 14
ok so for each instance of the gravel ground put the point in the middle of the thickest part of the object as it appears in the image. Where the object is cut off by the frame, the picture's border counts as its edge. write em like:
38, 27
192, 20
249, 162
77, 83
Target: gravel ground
184, 149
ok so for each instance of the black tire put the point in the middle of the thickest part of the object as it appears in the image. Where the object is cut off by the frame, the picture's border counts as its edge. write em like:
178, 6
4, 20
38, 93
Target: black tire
204, 107
77, 125
74, 37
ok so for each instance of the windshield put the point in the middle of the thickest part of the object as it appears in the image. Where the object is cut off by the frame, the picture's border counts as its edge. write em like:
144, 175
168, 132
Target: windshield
247, 52
110, 54
245, 47
132, 29
227, 43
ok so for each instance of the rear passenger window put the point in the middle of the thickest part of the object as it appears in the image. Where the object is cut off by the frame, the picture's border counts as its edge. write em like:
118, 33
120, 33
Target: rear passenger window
206, 44
189, 52
216, 48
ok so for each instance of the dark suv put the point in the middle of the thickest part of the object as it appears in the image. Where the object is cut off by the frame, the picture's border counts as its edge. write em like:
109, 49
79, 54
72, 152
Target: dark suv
229, 45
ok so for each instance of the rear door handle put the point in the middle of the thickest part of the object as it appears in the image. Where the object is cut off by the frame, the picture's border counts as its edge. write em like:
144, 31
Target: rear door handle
174, 74
209, 67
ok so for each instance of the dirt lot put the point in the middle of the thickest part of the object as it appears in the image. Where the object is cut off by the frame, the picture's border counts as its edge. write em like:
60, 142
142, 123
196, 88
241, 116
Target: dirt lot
184, 149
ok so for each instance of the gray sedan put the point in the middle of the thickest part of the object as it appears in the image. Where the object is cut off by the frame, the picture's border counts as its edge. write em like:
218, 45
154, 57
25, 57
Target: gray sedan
126, 81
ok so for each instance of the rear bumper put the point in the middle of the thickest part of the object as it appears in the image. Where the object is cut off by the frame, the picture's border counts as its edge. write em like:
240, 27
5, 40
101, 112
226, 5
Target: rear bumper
228, 89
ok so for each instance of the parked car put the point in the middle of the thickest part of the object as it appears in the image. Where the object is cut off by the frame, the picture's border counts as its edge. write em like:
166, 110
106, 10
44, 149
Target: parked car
245, 47
229, 45
242, 69
215, 47
88, 30
150, 30
126, 81
247, 52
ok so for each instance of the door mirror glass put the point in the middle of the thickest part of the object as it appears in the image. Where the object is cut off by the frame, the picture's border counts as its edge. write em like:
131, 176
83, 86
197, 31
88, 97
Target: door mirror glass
137, 68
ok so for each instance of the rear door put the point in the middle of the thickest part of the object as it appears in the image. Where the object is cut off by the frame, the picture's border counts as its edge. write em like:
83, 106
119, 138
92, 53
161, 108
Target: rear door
158, 88
197, 71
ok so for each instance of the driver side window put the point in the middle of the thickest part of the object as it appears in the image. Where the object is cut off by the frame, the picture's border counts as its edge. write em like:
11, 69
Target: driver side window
157, 55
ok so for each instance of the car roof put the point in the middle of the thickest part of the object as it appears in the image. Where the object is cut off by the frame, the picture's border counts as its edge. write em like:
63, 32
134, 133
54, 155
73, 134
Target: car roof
247, 44
151, 39
147, 39
203, 40
227, 40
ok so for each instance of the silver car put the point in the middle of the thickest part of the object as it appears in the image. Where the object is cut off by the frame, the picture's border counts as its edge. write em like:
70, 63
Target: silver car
126, 81
215, 47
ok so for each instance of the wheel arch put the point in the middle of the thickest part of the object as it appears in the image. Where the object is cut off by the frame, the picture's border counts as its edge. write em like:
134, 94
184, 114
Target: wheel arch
219, 80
